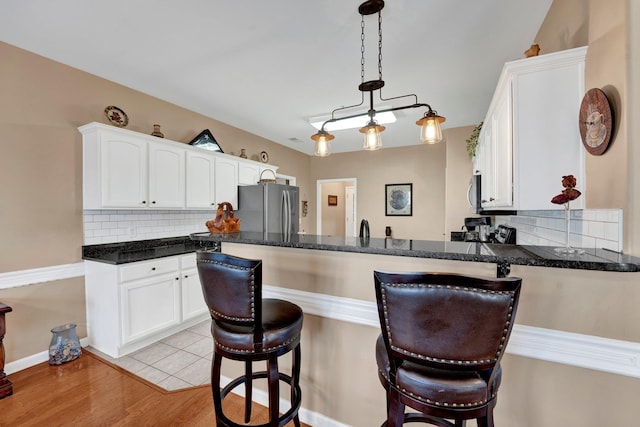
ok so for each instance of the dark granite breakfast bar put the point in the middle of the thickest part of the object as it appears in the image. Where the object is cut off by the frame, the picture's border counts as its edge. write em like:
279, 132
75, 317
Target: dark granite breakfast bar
502, 255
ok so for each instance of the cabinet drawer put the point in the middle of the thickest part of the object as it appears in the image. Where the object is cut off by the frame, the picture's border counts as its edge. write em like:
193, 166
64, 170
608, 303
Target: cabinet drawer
156, 267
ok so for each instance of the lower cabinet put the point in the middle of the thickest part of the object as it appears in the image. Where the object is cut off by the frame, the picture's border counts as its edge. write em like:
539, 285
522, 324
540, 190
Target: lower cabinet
133, 305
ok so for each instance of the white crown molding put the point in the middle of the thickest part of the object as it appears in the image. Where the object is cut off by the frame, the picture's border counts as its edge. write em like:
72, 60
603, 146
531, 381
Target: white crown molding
14, 279
585, 351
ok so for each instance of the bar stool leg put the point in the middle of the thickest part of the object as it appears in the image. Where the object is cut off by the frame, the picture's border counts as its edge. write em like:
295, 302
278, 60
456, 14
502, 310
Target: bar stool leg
215, 385
295, 382
248, 390
274, 389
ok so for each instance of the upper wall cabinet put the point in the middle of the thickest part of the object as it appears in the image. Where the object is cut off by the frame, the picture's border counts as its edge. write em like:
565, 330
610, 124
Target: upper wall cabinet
530, 138
129, 170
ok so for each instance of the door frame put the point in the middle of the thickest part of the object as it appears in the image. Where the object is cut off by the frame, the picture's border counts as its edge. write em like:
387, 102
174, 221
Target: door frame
320, 197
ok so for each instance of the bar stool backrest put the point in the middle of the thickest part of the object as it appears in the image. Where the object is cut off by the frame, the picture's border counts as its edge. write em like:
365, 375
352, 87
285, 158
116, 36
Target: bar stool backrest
445, 320
232, 287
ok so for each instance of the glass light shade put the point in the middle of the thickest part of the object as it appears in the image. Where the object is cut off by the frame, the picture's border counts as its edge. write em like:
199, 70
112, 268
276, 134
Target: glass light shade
431, 132
372, 138
323, 147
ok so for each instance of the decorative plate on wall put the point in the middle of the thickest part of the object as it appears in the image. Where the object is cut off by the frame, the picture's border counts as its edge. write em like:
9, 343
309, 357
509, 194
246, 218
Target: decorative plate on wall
596, 122
116, 116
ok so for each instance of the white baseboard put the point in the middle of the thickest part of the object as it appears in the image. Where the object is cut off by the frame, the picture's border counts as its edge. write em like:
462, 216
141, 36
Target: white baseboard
34, 359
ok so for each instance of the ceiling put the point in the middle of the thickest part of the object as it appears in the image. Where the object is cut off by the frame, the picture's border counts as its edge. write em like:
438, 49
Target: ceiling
268, 66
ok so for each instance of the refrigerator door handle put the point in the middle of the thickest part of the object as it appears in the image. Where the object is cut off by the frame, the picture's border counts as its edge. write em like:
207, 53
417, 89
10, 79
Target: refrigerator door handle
285, 213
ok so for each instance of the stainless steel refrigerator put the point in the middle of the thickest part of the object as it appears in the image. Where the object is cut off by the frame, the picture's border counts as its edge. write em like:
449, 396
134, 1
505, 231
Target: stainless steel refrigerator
268, 208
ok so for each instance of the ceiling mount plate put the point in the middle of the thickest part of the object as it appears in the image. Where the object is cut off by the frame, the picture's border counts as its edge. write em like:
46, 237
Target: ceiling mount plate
371, 85
370, 7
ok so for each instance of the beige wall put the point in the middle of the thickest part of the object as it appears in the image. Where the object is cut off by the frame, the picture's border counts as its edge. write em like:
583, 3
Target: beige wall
43, 103
421, 165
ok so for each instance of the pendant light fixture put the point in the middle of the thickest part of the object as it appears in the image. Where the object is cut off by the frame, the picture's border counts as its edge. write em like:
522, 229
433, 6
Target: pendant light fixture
431, 132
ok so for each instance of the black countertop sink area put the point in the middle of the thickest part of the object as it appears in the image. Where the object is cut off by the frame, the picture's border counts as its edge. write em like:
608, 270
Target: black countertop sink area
140, 250
503, 255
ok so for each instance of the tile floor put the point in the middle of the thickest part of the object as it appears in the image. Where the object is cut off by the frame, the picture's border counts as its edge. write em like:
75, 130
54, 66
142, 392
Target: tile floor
179, 361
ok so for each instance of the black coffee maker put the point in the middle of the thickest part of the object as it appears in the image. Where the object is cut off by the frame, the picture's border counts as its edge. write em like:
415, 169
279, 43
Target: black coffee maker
478, 229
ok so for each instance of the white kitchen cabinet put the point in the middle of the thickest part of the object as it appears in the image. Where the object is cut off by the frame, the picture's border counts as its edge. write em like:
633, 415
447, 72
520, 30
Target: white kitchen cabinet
129, 170
530, 138
130, 306
193, 303
226, 180
149, 305
124, 170
166, 175
248, 173
119, 172
201, 190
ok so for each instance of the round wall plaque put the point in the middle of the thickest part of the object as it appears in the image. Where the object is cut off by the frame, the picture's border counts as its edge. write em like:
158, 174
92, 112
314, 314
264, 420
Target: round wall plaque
595, 121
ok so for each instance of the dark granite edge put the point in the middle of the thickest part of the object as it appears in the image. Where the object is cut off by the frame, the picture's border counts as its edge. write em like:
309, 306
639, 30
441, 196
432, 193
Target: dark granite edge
630, 264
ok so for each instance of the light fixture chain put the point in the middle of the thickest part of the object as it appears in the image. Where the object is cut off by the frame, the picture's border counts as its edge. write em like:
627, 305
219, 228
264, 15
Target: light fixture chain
380, 44
362, 48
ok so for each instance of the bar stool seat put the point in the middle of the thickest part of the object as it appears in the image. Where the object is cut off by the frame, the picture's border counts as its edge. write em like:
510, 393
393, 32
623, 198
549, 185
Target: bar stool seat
247, 328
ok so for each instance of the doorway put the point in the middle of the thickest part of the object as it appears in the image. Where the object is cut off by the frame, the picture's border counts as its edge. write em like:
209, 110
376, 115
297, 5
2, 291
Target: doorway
336, 207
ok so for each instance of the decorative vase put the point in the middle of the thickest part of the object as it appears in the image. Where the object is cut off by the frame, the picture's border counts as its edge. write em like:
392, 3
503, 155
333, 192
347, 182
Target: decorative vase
567, 249
65, 345
243, 153
156, 131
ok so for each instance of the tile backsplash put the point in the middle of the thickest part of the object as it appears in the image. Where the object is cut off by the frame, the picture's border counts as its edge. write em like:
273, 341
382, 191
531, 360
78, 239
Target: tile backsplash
589, 228
110, 226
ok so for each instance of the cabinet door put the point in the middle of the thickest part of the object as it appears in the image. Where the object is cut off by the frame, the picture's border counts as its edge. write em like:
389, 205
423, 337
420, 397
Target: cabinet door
200, 181
484, 165
226, 181
166, 176
149, 305
547, 103
502, 151
193, 303
248, 174
123, 163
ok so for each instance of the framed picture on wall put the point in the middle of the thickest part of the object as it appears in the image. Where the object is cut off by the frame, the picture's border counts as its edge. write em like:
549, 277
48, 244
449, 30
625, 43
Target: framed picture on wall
333, 200
398, 199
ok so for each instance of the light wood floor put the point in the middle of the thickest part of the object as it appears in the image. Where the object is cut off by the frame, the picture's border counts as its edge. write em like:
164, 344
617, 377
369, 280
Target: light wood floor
91, 392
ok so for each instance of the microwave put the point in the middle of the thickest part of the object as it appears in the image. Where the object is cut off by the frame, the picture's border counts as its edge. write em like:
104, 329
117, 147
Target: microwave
474, 195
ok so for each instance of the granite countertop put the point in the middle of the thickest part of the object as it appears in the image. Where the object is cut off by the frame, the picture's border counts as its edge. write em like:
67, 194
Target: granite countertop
140, 250
503, 255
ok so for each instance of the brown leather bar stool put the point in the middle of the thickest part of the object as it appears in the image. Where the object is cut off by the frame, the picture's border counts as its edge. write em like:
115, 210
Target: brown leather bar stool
247, 328
442, 339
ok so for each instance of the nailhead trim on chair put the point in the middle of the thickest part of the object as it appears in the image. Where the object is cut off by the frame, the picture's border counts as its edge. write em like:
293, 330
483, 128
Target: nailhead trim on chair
264, 350
252, 292
438, 403
456, 288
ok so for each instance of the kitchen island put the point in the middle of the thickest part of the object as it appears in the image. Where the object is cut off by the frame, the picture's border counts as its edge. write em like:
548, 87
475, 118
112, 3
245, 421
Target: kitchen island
575, 326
